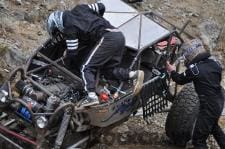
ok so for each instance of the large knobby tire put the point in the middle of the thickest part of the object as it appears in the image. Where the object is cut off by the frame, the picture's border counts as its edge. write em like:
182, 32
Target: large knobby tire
182, 116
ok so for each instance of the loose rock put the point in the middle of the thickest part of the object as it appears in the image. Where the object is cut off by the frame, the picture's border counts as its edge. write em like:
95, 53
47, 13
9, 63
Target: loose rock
18, 2
209, 33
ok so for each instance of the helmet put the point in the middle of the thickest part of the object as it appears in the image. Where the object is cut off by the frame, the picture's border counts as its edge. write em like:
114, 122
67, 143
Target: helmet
191, 50
55, 23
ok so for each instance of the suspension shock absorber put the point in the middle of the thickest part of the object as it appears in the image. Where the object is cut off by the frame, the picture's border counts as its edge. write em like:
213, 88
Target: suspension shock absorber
24, 88
27, 90
30, 97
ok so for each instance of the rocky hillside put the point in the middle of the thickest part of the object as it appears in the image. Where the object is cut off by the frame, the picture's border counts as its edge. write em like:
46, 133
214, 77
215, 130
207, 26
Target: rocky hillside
23, 29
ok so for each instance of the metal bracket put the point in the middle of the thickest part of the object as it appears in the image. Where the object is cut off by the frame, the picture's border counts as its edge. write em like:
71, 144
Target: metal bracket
62, 131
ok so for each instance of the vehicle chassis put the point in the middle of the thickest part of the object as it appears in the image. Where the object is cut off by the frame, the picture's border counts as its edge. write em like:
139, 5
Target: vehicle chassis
97, 119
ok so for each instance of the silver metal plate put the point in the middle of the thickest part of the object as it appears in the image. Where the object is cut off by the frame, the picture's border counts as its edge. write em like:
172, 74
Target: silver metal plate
118, 19
138, 30
141, 32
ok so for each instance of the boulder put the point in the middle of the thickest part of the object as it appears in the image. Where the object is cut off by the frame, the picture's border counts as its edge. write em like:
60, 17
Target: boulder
209, 33
2, 4
135, 131
18, 2
19, 15
11, 53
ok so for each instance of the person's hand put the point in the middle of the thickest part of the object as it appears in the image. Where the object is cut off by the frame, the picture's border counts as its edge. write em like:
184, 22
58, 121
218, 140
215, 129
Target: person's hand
170, 67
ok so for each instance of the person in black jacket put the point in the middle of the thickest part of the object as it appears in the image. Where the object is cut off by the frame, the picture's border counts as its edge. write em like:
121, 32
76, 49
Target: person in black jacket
206, 75
85, 31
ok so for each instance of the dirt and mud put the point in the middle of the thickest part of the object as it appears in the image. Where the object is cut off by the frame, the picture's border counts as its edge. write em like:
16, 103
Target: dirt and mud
22, 30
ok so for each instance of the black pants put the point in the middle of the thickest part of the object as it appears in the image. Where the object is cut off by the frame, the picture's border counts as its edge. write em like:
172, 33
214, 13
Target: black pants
106, 56
207, 122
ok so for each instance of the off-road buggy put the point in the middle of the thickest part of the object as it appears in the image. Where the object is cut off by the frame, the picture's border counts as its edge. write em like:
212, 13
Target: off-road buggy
40, 102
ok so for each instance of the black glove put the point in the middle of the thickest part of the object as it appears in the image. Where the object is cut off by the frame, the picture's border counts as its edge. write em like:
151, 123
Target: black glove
70, 56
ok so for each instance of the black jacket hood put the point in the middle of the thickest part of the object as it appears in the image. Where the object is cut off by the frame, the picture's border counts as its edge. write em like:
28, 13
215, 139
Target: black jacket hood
200, 57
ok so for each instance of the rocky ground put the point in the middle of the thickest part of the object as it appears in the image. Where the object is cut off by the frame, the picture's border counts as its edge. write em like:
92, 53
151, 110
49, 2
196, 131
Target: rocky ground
22, 30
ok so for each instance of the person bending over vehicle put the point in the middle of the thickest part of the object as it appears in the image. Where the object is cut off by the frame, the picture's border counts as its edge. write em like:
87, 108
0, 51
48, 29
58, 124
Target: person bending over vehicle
84, 25
206, 76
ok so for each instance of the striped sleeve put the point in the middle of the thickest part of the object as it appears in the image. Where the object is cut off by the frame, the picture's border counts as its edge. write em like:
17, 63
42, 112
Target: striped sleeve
72, 44
99, 8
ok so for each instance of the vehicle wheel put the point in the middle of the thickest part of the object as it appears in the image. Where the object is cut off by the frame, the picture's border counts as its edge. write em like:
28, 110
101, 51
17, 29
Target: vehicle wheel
182, 116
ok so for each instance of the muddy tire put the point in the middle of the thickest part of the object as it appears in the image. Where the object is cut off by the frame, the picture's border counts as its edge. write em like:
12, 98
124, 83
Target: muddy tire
181, 118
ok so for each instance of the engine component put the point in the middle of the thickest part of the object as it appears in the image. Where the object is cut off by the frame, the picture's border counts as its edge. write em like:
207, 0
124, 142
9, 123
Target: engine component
3, 95
41, 122
24, 113
24, 88
27, 90
72, 95
34, 105
51, 104
58, 86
